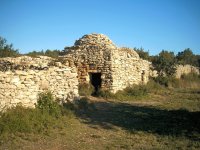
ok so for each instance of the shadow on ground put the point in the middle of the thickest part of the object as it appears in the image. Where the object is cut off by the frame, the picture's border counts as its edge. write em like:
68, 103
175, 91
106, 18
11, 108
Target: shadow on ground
132, 118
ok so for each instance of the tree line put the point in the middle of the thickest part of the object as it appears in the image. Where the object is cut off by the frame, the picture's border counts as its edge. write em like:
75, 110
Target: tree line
7, 50
184, 57
165, 62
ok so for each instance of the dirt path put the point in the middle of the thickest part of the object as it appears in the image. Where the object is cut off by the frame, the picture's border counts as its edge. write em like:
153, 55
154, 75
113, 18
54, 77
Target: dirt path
102, 103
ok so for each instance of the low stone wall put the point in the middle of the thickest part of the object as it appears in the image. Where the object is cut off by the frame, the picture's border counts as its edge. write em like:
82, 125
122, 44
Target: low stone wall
186, 69
23, 78
180, 70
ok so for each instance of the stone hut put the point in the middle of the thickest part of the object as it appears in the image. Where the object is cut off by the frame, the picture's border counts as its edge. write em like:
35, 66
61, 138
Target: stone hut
100, 62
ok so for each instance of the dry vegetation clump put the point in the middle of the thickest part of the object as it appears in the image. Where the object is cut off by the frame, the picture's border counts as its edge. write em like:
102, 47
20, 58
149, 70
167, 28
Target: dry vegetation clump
47, 115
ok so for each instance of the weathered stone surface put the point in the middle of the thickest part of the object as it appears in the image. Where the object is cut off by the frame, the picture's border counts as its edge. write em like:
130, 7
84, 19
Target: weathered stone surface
119, 67
23, 78
185, 69
23, 84
180, 70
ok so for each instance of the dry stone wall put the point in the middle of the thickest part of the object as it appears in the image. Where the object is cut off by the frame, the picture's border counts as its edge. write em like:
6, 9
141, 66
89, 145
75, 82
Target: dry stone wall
128, 69
185, 69
180, 70
23, 78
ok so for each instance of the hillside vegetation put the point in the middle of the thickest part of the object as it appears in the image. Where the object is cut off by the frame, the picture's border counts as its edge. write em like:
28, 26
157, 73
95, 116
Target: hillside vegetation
164, 114
185, 56
150, 116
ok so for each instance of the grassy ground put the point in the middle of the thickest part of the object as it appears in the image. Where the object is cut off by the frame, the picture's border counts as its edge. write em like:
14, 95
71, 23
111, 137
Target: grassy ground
169, 119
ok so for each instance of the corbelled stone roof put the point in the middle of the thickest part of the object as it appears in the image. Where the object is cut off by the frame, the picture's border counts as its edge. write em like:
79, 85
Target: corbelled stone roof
98, 42
94, 39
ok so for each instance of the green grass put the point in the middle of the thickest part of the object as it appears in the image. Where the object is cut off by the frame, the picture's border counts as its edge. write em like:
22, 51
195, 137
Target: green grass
167, 118
191, 80
134, 92
46, 116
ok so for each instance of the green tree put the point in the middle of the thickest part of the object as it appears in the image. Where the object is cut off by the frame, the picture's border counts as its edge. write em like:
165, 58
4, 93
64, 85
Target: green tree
165, 63
35, 53
198, 60
142, 53
7, 50
50, 53
187, 57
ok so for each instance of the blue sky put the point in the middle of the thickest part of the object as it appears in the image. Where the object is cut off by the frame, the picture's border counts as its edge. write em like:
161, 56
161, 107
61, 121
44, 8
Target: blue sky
53, 24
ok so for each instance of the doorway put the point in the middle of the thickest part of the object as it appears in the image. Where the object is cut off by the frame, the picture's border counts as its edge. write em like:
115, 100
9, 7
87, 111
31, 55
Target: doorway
95, 79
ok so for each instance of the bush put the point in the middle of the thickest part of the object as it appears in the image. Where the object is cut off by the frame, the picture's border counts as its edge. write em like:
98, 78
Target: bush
164, 81
47, 115
191, 77
174, 83
136, 90
12, 120
85, 89
152, 85
190, 80
26, 120
129, 93
168, 82
7, 50
47, 104
49, 53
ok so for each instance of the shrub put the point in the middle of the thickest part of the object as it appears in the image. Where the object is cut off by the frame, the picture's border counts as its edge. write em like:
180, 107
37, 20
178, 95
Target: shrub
153, 86
174, 83
165, 63
47, 104
191, 77
16, 120
164, 81
26, 120
129, 93
136, 90
190, 80
47, 116
7, 50
85, 89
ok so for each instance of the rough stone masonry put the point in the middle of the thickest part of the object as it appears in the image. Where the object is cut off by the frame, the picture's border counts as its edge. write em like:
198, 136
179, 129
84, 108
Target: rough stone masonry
99, 60
94, 58
23, 78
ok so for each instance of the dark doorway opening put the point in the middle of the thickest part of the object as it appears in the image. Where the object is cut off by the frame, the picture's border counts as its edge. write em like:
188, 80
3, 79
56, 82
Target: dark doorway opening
95, 79
142, 76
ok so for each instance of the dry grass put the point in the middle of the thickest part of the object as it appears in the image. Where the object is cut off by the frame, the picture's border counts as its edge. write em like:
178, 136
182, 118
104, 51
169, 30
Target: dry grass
164, 120
140, 117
